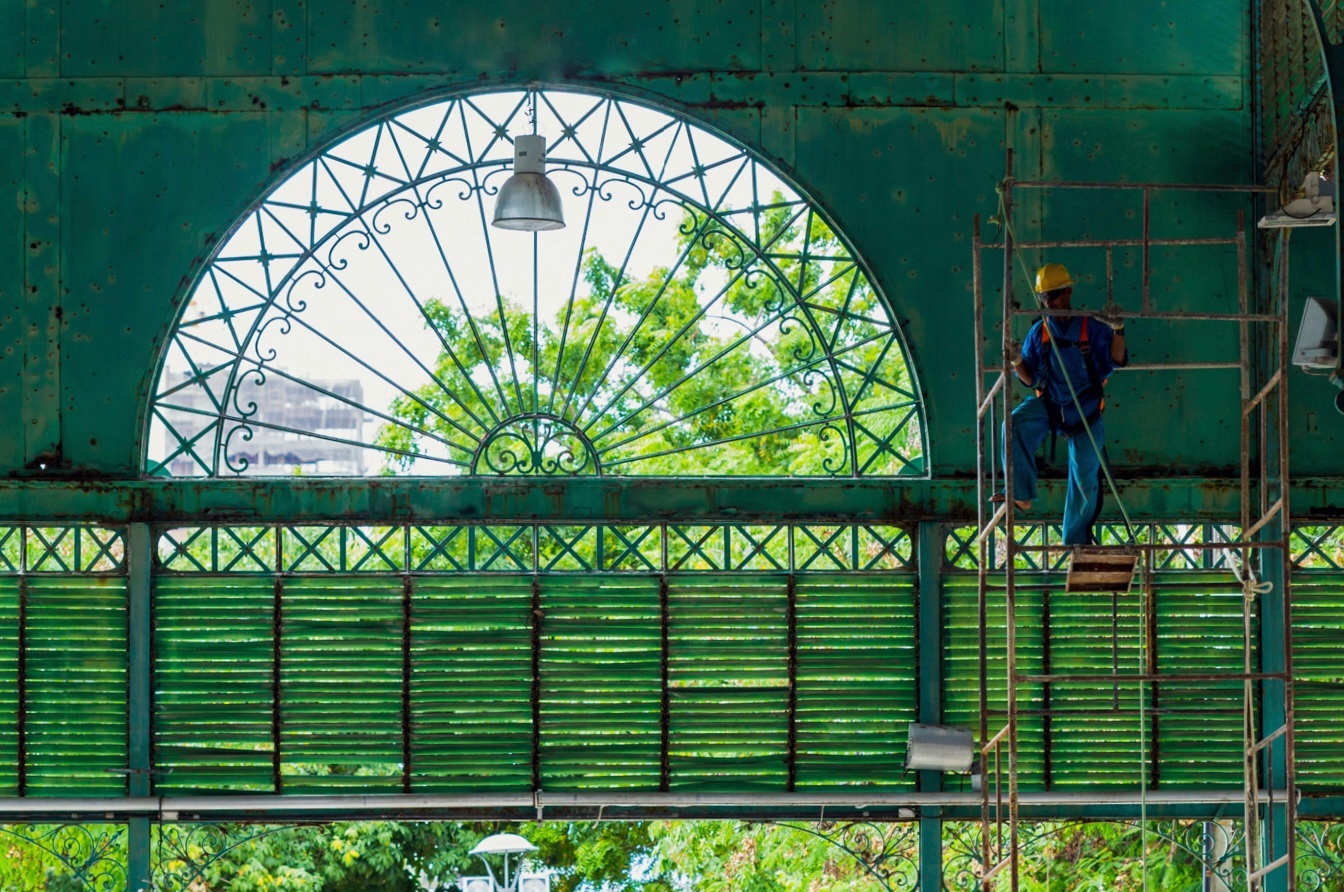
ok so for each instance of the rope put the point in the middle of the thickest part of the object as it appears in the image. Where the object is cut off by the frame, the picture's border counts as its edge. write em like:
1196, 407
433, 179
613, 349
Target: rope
1002, 219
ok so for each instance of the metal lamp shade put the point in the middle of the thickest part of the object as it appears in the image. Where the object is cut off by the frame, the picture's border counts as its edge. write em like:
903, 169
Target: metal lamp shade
528, 201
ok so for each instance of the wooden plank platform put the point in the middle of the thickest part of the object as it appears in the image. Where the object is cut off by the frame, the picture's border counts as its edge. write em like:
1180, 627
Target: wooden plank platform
1100, 568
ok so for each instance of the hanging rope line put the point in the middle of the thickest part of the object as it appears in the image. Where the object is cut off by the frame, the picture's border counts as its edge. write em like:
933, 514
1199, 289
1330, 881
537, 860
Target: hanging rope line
1007, 226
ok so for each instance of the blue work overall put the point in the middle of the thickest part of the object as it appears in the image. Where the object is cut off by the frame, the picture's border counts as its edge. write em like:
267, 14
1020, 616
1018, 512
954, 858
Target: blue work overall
1033, 421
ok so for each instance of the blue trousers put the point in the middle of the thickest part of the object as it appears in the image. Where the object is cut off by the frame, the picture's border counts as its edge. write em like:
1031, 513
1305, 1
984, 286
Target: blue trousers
1031, 425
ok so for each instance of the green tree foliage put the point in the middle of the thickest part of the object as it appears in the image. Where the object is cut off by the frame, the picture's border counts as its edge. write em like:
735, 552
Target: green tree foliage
359, 856
389, 856
714, 366
682, 856
734, 856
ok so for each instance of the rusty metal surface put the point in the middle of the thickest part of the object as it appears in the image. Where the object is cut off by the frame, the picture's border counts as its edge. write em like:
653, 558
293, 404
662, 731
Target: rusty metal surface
145, 132
742, 500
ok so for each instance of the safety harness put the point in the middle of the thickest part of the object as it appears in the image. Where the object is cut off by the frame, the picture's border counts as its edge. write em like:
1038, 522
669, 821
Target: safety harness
1095, 388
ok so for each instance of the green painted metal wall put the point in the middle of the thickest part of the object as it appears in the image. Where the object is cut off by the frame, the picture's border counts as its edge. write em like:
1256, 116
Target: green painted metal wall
135, 133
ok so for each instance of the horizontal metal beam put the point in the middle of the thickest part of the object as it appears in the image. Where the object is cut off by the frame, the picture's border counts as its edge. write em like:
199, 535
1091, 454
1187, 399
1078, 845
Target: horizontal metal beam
349, 91
632, 806
641, 500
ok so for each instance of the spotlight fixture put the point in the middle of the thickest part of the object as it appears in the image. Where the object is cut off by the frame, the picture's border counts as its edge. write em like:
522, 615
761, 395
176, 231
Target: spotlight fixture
1316, 207
939, 748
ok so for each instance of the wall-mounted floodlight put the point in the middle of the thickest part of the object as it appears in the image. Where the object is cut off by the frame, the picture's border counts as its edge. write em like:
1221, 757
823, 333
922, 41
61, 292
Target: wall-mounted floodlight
939, 748
1317, 345
1316, 207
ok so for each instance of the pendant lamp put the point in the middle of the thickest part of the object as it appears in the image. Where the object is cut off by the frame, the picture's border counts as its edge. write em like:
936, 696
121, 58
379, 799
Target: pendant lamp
528, 201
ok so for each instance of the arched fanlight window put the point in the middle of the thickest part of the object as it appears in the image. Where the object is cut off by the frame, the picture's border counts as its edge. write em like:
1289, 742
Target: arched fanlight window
697, 315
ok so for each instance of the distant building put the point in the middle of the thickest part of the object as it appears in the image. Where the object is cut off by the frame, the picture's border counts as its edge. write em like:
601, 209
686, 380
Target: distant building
299, 428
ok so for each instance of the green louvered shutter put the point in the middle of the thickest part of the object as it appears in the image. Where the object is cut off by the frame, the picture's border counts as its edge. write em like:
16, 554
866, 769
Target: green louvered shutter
728, 677
9, 686
601, 682
1094, 727
471, 685
214, 644
1199, 631
341, 684
961, 678
75, 661
855, 679
1318, 669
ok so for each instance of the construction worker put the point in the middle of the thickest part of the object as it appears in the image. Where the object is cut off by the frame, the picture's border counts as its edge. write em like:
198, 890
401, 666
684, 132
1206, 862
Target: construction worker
1089, 349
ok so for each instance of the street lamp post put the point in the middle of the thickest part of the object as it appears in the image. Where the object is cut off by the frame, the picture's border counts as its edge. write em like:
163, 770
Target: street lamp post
505, 844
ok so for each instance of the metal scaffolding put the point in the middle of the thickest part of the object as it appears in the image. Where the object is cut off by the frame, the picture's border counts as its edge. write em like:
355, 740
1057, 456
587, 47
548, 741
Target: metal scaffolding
1257, 556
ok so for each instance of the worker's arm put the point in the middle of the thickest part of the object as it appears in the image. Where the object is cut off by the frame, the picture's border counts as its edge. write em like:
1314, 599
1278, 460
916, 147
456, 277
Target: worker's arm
1119, 353
1020, 366
1112, 319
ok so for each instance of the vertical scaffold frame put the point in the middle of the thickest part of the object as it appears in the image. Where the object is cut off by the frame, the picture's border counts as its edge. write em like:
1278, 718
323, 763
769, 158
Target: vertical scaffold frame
1260, 550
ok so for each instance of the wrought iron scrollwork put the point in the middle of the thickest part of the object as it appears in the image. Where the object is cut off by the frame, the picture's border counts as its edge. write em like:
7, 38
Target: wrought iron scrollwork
93, 855
536, 444
184, 853
698, 317
1320, 856
1218, 846
888, 852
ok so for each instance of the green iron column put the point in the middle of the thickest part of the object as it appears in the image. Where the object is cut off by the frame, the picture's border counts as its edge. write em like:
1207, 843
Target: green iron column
930, 557
1274, 703
139, 554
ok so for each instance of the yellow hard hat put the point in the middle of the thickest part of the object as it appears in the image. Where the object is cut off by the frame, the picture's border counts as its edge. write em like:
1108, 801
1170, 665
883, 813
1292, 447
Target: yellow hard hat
1051, 277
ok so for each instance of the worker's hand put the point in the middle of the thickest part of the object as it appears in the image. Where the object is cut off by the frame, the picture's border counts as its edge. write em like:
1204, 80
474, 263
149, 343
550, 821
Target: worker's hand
1112, 319
1013, 353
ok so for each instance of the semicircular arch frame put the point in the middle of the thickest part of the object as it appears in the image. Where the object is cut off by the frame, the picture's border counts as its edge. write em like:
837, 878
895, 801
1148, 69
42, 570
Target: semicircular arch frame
697, 316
